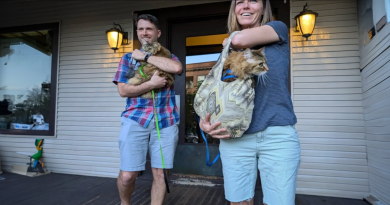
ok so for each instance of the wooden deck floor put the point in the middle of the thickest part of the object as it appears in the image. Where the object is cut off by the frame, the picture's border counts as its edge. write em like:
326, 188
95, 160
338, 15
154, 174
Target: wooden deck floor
66, 189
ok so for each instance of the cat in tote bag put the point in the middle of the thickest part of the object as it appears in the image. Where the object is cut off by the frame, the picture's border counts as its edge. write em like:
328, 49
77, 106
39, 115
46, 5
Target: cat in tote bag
231, 103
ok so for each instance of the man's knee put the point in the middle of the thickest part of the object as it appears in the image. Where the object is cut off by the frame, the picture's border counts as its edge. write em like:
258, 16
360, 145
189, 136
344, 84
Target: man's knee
127, 178
158, 174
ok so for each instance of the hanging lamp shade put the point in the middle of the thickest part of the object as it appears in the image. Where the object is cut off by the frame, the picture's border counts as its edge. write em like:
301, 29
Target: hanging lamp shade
306, 21
115, 37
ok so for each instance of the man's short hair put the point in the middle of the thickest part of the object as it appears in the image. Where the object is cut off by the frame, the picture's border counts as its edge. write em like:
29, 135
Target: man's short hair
148, 17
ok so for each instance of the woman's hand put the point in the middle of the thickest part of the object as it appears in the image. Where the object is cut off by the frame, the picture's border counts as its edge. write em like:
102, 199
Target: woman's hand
224, 42
211, 129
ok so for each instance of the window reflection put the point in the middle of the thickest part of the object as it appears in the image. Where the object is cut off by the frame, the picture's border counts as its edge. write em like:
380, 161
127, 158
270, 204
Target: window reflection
202, 54
195, 74
25, 75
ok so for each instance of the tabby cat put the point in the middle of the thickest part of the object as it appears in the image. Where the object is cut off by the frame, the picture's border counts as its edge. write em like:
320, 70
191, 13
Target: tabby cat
155, 49
246, 64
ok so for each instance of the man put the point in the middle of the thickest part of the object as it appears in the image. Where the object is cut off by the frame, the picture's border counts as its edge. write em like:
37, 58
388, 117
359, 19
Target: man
138, 119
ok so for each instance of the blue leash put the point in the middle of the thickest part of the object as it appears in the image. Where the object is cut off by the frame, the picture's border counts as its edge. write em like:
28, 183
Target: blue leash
225, 76
208, 153
201, 131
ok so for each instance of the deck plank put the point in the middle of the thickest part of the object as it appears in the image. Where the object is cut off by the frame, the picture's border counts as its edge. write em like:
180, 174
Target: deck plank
58, 189
180, 192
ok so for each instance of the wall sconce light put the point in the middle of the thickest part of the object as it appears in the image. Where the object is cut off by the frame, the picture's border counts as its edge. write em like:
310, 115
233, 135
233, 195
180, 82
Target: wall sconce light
116, 37
305, 22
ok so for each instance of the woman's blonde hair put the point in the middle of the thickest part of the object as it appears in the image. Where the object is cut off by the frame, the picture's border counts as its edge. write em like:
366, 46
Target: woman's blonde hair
233, 24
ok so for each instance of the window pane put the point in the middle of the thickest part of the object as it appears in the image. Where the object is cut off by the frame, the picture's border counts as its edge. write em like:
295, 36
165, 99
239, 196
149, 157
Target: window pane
25, 75
201, 77
189, 83
198, 66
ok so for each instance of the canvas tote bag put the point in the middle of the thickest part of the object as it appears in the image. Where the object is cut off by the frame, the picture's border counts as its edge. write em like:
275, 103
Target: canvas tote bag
230, 103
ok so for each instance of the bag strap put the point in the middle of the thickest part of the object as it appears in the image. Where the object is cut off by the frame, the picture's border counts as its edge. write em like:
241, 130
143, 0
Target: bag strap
224, 55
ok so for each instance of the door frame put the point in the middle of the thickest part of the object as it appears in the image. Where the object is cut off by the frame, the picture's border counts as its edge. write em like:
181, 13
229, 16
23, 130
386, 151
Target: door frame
168, 18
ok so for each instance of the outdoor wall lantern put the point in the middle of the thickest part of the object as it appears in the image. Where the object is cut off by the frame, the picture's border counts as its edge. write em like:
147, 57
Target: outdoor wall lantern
116, 37
306, 20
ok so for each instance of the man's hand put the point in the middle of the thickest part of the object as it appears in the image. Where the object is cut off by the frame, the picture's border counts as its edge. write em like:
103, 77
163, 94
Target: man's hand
156, 81
143, 41
138, 55
212, 130
130, 91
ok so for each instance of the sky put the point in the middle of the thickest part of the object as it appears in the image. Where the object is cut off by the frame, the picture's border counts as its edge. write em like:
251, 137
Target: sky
24, 69
202, 58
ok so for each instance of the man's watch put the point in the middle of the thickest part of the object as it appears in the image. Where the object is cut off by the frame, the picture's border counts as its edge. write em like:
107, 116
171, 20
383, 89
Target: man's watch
146, 57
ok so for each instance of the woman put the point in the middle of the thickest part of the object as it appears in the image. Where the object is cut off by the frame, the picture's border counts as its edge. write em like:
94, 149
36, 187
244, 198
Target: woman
271, 142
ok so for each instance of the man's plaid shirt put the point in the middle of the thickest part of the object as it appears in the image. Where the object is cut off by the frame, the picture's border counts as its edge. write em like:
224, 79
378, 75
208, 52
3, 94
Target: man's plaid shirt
141, 109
